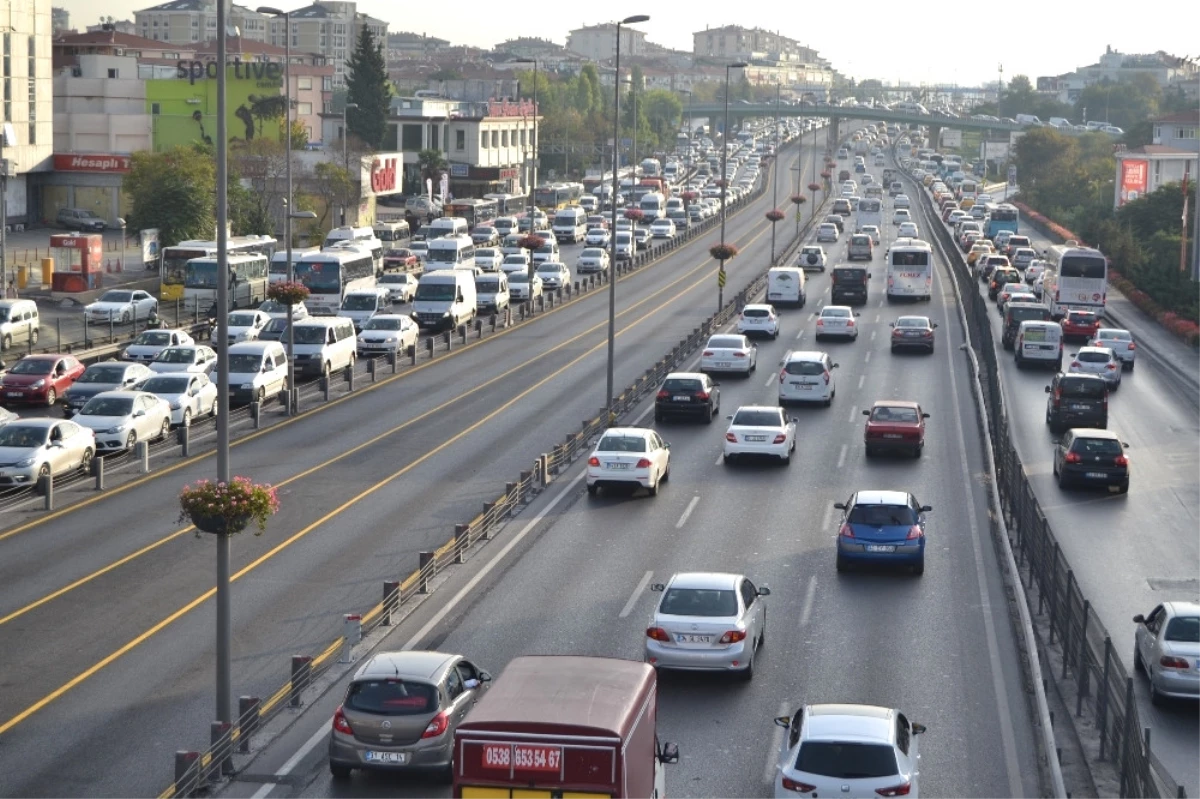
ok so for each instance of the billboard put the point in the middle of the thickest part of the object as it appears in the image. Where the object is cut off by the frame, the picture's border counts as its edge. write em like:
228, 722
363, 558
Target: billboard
183, 110
1134, 174
951, 138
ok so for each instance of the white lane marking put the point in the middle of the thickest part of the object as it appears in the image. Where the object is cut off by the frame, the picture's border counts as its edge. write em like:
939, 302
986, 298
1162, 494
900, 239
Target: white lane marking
867, 359
812, 316
842, 455
800, 335
637, 593
872, 335
828, 518
853, 413
862, 379
809, 595
770, 379
877, 316
721, 457
777, 734
691, 506
294, 760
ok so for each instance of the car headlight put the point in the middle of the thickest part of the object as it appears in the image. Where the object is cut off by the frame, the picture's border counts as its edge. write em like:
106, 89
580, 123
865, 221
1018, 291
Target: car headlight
390, 340
118, 428
176, 405
446, 314
27, 461
38, 384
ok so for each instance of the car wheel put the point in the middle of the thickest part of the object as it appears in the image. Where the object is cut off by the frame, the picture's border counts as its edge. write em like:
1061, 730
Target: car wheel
187, 418
212, 410
1131, 363
339, 772
727, 458
165, 429
1020, 363
658, 417
125, 317
666, 475
870, 450
51, 398
708, 417
85, 463
842, 566
787, 459
1137, 660
1156, 698
919, 569
1062, 481
653, 489
747, 674
1123, 488
917, 450
131, 440
592, 490
6, 344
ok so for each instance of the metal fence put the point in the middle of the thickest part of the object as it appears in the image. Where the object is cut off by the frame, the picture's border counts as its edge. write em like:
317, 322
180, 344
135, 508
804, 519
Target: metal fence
1105, 690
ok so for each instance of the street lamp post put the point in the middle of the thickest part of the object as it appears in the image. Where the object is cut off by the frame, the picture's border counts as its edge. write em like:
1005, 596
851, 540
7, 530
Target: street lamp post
224, 604
725, 181
616, 184
345, 154
532, 163
775, 179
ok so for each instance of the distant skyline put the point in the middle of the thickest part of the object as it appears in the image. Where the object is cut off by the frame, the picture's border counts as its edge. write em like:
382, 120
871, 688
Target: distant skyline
872, 39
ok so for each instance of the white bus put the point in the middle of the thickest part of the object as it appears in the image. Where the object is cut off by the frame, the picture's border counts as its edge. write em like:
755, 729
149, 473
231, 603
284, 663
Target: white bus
246, 276
363, 236
909, 270
332, 272
870, 212
279, 263
450, 252
392, 232
1076, 277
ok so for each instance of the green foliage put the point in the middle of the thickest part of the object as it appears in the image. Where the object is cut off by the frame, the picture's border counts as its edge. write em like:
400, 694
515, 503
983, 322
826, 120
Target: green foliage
368, 86
332, 187
1019, 97
174, 191
432, 165
1159, 210
299, 135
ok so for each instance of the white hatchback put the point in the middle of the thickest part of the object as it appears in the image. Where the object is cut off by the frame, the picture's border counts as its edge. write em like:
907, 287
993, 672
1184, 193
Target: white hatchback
807, 376
729, 353
1099, 361
760, 430
758, 319
908, 230
837, 320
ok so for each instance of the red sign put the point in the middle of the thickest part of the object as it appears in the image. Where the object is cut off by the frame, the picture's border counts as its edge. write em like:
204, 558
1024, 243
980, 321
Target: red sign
1134, 175
383, 175
68, 162
522, 757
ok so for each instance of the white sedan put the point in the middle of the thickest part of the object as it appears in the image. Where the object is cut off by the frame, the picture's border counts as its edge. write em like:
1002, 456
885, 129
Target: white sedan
837, 320
900, 216
873, 232
760, 430
195, 358
515, 262
758, 319
596, 237
729, 353
521, 287
554, 275
122, 418
278, 310
662, 228
592, 259
402, 286
149, 343
243, 326
189, 396
121, 306
629, 456
43, 447
488, 258
908, 230
901, 201
388, 333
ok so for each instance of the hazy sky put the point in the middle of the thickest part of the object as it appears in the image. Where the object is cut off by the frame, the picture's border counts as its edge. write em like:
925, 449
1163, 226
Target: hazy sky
939, 42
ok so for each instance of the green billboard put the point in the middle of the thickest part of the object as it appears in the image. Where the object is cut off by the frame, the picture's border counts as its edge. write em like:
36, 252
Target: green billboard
183, 109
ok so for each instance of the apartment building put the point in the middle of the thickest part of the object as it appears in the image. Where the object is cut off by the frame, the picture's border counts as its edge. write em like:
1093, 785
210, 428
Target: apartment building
735, 43
25, 70
599, 42
1173, 152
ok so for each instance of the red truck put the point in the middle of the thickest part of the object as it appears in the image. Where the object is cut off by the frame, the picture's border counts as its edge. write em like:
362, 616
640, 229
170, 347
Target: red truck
563, 725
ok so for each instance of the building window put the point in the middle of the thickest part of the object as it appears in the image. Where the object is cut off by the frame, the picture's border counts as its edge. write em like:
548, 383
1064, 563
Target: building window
304, 109
112, 73
504, 138
460, 140
327, 83
495, 138
1187, 133
410, 138
304, 84
327, 107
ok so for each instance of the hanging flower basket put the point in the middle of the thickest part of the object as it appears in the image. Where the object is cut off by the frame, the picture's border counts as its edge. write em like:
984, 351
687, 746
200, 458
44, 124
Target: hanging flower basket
288, 292
634, 214
798, 199
827, 175
227, 508
530, 242
723, 252
688, 197
774, 215
719, 183
814, 186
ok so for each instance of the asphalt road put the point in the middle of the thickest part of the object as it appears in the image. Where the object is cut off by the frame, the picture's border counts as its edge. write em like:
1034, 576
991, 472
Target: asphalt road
941, 647
107, 623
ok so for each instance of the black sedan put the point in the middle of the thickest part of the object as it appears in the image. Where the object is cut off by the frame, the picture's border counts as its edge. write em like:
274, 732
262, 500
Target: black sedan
913, 332
1087, 456
688, 393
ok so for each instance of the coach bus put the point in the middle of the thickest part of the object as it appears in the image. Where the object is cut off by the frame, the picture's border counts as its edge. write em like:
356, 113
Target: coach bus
1076, 278
332, 272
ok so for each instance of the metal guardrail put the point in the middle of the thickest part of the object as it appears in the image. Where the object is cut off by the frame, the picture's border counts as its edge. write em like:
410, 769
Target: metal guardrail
1104, 688
195, 771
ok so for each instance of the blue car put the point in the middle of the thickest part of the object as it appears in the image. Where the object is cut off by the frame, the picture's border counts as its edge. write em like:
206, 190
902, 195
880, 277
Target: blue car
880, 528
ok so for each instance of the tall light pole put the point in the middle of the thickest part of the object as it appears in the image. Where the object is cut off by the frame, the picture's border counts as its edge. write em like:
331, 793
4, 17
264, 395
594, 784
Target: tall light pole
775, 180
725, 180
345, 153
616, 184
532, 163
224, 609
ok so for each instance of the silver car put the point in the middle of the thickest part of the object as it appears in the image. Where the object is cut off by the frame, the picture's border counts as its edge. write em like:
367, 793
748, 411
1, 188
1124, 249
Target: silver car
1119, 341
1099, 361
400, 712
707, 621
34, 448
837, 320
1166, 646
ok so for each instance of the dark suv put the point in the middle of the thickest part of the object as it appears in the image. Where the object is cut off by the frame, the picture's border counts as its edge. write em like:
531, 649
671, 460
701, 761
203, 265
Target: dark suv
1076, 401
849, 285
1017, 312
691, 393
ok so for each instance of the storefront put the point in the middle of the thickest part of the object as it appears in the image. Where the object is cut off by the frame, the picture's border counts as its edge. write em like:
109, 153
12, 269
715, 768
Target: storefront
91, 181
476, 181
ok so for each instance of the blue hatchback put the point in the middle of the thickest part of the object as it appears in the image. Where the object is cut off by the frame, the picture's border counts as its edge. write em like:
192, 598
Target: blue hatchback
882, 527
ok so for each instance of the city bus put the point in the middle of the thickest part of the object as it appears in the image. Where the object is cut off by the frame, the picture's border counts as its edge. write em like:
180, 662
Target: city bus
1004, 217
476, 212
246, 276
1076, 278
173, 266
392, 232
909, 270
509, 204
278, 272
332, 272
557, 195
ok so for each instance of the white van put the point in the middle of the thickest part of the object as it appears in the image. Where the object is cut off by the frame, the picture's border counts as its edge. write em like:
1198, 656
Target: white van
625, 245
491, 292
1028, 119
653, 206
445, 298
360, 305
19, 323
1039, 343
257, 371
505, 225
570, 224
450, 252
324, 344
446, 226
786, 285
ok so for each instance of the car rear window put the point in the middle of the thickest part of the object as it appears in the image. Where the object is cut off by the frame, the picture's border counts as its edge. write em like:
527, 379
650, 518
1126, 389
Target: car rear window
622, 444
804, 368
1097, 446
392, 697
1093, 357
758, 419
1087, 388
726, 342
881, 515
699, 602
846, 761
842, 273
756, 312
681, 384
1183, 628
893, 414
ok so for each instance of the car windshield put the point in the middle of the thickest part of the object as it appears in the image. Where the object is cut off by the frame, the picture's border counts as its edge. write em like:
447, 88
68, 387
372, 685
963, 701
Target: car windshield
592, 252
757, 418
726, 342
1093, 357
165, 385
520, 276
682, 384
912, 321
103, 374
1115, 335
618, 443
486, 252
313, 334
397, 279
1185, 629
108, 406
698, 602
882, 515
550, 269
116, 296
1097, 446
401, 253
846, 761
271, 306
392, 697
383, 324
153, 338
176, 355
241, 320
360, 302
32, 366
15, 435
1081, 317
243, 363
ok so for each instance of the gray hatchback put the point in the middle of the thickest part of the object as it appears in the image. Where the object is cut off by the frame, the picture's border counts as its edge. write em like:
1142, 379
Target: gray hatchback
401, 710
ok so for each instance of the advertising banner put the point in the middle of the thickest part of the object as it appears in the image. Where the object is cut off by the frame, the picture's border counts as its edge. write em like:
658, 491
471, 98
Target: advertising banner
183, 110
149, 242
1134, 174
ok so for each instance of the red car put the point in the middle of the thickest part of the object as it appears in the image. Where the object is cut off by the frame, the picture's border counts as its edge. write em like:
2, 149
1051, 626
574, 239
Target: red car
1080, 324
40, 379
400, 259
895, 426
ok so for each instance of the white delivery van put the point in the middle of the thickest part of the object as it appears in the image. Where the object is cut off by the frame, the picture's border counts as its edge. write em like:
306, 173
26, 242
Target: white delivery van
625, 245
570, 224
360, 305
324, 344
257, 371
447, 226
445, 298
491, 292
450, 252
786, 286
1028, 119
19, 323
653, 206
1039, 343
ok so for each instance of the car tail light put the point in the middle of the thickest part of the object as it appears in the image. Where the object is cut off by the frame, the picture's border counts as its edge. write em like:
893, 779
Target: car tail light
658, 634
1075, 364
798, 787
732, 637
914, 532
643, 463
899, 790
663, 394
1111, 366
1132, 346
780, 438
846, 531
741, 316
897, 333
1169, 662
437, 725
593, 461
826, 375
1121, 460
1073, 457
702, 395
340, 724
849, 323
708, 353
739, 355
820, 323
782, 375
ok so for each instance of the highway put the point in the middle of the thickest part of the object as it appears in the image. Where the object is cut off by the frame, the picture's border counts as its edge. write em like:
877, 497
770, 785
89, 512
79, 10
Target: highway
107, 621
941, 647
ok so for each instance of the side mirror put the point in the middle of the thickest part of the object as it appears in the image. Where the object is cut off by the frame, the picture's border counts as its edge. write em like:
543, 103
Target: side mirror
856, 313
866, 412
1125, 444
730, 418
918, 729
657, 587
924, 416
138, 413
783, 721
933, 325
666, 445
891, 324
763, 590
1139, 619
840, 505
926, 508
669, 753
1056, 441
485, 676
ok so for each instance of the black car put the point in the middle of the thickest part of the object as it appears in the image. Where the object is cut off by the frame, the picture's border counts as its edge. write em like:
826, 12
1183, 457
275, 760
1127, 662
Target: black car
1076, 401
690, 393
1085, 456
849, 285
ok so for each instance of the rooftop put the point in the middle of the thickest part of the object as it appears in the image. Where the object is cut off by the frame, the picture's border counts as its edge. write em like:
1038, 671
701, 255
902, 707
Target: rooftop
111, 37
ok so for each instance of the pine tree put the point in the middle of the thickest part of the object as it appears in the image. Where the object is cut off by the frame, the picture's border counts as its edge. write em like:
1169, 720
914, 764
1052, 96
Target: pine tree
367, 86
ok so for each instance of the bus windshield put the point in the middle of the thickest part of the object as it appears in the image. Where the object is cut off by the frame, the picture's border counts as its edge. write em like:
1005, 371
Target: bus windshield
1082, 266
174, 269
321, 277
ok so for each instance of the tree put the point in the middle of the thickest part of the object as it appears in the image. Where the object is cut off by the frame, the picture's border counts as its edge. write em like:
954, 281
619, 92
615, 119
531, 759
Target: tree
664, 111
261, 163
367, 86
432, 165
299, 135
332, 187
173, 191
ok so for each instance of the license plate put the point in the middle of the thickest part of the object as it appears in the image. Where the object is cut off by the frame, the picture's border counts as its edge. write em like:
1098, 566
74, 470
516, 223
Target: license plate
1078, 406
892, 435
756, 438
1096, 475
16, 393
723, 364
880, 548
683, 638
617, 465
681, 398
387, 757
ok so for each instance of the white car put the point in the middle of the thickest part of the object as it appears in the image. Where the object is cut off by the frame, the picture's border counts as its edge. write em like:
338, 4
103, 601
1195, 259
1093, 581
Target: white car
420, 249
195, 358
827, 231
759, 319
554, 275
901, 215
901, 201
33, 448
630, 456
189, 396
662, 228
243, 326
729, 353
278, 310
121, 306
812, 257
516, 262
402, 286
592, 259
149, 343
760, 430
908, 230
1034, 270
488, 258
1165, 649
520, 287
807, 376
848, 750
388, 333
120, 419
1099, 361
873, 232
1119, 341
596, 237
837, 321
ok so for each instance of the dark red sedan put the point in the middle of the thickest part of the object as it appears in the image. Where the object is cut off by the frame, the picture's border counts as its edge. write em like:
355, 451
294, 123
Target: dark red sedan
39, 379
1080, 325
895, 426
400, 259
